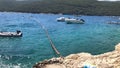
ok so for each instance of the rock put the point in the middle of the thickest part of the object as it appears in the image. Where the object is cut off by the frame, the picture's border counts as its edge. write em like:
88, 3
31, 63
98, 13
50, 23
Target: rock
84, 56
106, 60
117, 47
72, 56
54, 66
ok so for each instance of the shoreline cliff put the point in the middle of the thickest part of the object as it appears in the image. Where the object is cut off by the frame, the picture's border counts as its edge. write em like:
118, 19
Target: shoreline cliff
80, 60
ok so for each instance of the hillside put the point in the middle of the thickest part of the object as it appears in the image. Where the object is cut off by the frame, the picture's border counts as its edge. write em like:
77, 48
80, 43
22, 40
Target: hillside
83, 7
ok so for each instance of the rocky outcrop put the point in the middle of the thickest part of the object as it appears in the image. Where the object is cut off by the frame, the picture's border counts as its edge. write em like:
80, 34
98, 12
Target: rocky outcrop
80, 60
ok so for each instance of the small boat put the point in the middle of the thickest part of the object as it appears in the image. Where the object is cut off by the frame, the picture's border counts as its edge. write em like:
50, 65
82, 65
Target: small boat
61, 19
74, 21
113, 22
11, 34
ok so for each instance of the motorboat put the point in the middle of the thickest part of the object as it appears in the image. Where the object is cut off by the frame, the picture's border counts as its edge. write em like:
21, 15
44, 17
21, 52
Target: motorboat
11, 34
74, 21
113, 22
61, 19
71, 20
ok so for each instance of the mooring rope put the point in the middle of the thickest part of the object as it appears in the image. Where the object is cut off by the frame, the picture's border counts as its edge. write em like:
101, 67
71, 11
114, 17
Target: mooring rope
51, 42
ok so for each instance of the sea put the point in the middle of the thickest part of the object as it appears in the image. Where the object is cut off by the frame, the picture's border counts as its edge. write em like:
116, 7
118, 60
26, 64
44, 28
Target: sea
95, 36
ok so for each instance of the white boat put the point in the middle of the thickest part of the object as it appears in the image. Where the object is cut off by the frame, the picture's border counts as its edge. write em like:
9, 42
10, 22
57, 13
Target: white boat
113, 22
11, 34
74, 21
61, 19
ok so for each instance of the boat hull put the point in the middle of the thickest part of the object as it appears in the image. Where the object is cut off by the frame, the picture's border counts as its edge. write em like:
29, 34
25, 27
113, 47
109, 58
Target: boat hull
61, 19
10, 34
72, 21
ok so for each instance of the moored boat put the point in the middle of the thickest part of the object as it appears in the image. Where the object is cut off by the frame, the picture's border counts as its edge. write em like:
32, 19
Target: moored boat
113, 22
61, 19
11, 34
74, 21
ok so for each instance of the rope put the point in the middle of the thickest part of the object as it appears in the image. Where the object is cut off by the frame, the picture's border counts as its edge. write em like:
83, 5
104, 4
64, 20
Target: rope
50, 40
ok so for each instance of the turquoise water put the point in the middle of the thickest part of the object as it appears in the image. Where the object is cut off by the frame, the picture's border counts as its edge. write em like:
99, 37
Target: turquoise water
95, 36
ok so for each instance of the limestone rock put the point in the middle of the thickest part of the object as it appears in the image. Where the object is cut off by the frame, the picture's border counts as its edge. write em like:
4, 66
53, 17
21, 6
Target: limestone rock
72, 56
117, 47
106, 60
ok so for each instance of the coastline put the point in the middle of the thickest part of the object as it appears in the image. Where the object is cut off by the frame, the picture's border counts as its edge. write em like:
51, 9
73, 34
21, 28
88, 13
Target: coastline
55, 13
106, 60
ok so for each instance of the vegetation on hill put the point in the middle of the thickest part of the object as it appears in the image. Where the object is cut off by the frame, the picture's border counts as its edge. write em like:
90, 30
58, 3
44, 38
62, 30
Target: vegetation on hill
82, 7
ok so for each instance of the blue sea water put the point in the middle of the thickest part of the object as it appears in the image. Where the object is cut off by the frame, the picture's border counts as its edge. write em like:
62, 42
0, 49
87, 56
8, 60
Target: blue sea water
95, 37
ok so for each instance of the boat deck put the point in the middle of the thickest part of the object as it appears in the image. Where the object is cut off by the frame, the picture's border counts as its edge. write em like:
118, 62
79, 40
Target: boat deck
10, 34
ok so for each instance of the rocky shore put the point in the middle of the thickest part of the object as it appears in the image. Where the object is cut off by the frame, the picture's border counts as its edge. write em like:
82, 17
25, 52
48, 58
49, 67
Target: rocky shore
84, 60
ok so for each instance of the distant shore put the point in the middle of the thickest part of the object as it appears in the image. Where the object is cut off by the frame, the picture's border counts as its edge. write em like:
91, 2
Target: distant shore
56, 13
72, 7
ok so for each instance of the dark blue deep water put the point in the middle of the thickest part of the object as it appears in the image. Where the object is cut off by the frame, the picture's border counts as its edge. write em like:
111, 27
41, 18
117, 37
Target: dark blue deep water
95, 37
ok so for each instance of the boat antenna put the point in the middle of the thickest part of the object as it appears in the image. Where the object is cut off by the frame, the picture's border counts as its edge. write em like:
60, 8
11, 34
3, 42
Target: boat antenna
50, 40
